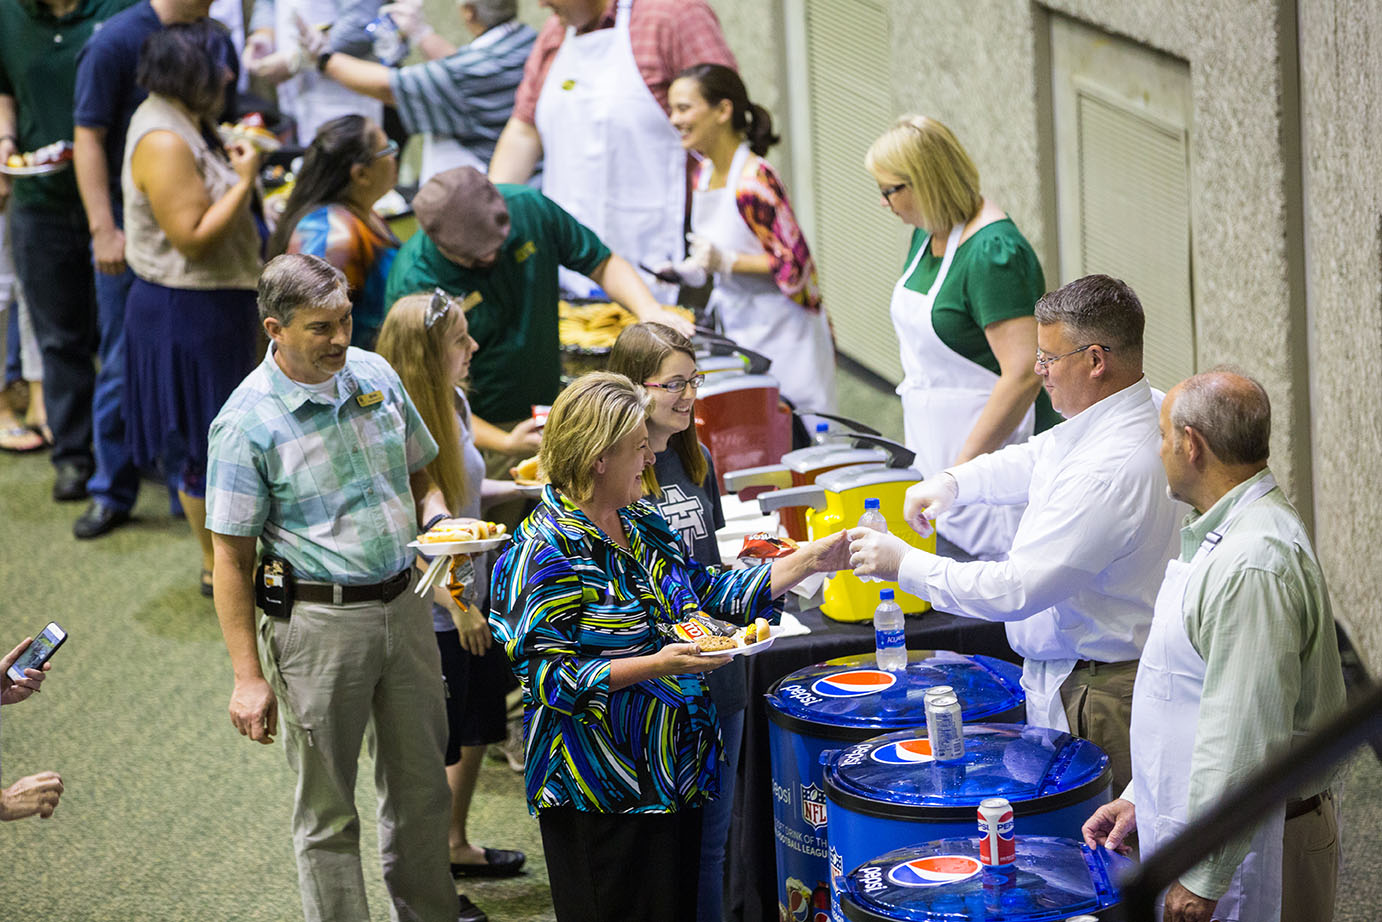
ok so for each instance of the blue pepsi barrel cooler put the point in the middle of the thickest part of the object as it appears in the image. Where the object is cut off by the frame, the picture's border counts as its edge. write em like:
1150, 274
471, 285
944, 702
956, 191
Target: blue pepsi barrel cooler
1052, 879
887, 793
842, 701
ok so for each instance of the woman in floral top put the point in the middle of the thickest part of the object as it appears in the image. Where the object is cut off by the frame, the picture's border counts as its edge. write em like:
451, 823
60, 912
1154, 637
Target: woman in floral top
621, 737
744, 232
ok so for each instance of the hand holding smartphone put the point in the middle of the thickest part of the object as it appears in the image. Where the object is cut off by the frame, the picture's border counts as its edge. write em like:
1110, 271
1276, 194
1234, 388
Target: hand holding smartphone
39, 651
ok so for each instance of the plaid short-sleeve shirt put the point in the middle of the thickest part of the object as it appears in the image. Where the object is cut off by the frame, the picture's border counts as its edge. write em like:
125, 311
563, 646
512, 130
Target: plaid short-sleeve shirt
322, 483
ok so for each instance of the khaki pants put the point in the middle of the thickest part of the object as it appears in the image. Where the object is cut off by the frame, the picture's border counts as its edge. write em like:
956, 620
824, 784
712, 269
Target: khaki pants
1098, 705
339, 670
1310, 865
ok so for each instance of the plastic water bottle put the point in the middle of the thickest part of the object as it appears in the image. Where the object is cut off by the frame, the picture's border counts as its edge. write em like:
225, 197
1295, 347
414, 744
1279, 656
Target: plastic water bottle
889, 635
388, 44
872, 518
822, 436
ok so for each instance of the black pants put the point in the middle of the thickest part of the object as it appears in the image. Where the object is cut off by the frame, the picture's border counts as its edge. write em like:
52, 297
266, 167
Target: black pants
611, 867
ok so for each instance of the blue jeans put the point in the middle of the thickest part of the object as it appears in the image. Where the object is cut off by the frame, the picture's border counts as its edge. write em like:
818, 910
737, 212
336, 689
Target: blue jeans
52, 257
115, 482
715, 823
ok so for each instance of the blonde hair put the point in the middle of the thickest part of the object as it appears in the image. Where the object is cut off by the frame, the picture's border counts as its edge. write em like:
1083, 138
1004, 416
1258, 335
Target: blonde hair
933, 164
589, 417
419, 356
638, 353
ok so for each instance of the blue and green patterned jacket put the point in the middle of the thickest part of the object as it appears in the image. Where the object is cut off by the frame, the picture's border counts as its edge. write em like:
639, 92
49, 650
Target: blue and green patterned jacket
567, 600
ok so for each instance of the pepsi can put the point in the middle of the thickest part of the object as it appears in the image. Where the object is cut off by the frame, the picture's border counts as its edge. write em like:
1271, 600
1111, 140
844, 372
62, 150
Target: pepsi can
945, 728
996, 845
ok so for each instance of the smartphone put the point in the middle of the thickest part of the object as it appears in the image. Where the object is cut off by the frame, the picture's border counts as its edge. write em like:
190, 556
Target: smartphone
40, 651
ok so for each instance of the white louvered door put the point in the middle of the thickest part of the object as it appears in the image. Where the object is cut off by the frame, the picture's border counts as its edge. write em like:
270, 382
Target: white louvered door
1121, 120
859, 245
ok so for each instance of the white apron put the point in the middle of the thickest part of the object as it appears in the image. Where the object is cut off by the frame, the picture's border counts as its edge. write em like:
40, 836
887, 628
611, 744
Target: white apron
1165, 713
754, 312
943, 394
309, 97
610, 156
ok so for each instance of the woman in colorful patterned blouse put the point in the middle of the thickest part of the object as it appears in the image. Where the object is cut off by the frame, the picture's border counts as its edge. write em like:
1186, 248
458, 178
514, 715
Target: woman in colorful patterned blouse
330, 213
621, 737
744, 232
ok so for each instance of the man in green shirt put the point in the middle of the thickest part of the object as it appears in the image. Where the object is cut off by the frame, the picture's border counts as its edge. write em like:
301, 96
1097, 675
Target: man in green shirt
497, 250
39, 41
1242, 658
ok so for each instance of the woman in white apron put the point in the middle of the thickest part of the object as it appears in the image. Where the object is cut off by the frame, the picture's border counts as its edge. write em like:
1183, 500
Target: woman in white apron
610, 158
743, 230
963, 314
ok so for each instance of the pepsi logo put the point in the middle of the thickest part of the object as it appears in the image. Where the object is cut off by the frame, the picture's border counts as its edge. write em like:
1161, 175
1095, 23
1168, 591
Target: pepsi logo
904, 752
853, 684
934, 870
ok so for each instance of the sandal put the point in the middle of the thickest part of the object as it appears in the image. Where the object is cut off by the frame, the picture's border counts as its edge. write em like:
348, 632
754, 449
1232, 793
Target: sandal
22, 440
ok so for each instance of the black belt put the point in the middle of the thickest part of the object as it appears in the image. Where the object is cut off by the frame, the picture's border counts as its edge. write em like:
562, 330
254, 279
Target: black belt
333, 594
1093, 665
1295, 808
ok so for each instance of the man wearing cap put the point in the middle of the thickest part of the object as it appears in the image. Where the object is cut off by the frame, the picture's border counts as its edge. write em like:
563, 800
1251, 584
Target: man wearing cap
1242, 660
319, 456
497, 249
1077, 587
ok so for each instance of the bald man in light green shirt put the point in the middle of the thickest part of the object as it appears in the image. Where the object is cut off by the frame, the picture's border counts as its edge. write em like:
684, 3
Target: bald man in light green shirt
1256, 630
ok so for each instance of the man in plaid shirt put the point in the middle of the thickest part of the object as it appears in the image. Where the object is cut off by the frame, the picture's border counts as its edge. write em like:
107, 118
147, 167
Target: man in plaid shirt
319, 455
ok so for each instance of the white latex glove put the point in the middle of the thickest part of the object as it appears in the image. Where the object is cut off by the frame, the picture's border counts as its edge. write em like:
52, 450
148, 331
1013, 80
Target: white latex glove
311, 41
928, 500
278, 66
876, 553
708, 256
407, 15
686, 271
259, 44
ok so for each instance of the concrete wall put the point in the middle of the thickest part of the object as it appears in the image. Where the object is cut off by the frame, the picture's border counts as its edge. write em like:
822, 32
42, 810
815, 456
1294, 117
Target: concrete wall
1341, 92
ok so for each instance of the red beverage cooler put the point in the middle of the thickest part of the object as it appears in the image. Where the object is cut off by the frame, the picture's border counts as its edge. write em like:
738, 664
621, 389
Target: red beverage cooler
743, 422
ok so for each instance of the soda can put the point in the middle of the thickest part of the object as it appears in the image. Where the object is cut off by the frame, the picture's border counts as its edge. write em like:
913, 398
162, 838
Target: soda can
945, 728
938, 691
996, 845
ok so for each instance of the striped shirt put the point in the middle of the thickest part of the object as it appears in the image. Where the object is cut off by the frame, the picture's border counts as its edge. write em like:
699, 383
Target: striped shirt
467, 95
1258, 614
566, 601
667, 36
321, 481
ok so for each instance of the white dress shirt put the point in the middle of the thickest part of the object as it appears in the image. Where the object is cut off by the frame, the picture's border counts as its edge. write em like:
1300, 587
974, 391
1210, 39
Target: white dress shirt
1089, 553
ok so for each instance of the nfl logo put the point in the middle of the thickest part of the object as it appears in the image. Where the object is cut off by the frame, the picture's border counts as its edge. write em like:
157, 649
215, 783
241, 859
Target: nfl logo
813, 805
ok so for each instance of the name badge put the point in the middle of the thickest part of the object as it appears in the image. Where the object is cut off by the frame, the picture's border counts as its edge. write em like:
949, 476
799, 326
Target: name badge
370, 399
523, 252
471, 300
568, 84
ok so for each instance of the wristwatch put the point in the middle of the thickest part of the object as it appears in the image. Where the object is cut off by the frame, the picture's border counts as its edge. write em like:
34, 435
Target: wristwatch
322, 59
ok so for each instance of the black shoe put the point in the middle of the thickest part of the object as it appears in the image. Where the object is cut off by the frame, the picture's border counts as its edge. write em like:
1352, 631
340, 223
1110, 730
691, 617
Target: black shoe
469, 911
70, 484
99, 519
499, 862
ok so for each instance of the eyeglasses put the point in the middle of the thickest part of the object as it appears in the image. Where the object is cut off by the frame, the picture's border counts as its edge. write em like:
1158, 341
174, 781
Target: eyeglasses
1044, 361
436, 308
889, 192
677, 385
388, 150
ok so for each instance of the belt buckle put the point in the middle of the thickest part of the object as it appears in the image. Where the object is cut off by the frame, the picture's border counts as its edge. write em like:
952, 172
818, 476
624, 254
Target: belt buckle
337, 594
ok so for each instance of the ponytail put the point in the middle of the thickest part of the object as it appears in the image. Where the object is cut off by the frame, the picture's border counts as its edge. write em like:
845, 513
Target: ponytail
760, 129
717, 83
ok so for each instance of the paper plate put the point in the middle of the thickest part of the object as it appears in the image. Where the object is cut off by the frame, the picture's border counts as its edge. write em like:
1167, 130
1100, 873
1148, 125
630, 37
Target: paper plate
452, 548
750, 650
43, 169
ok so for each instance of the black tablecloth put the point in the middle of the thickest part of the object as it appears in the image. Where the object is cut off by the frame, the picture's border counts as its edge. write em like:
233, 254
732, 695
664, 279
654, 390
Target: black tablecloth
751, 865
